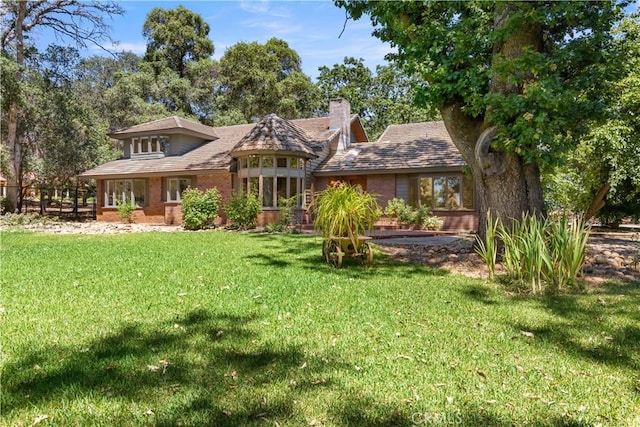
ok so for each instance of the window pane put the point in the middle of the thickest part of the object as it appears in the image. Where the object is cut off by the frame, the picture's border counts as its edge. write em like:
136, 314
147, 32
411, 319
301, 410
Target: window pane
293, 163
135, 148
467, 191
282, 188
144, 145
281, 162
119, 190
413, 191
244, 185
139, 191
154, 145
267, 162
173, 190
254, 185
267, 192
243, 163
254, 162
453, 193
184, 184
164, 144
426, 192
293, 191
439, 191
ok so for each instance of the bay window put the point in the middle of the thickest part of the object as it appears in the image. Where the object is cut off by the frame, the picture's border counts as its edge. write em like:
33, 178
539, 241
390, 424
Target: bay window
272, 178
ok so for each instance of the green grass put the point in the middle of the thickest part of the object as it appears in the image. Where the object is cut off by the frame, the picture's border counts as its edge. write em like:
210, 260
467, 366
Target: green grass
216, 328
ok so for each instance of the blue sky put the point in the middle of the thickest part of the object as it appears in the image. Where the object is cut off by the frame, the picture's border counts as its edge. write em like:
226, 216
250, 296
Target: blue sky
310, 27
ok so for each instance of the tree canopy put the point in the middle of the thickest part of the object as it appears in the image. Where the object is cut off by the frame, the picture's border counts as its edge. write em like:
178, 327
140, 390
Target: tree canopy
515, 82
175, 37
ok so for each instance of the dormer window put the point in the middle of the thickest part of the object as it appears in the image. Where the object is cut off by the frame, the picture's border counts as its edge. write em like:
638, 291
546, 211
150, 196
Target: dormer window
148, 144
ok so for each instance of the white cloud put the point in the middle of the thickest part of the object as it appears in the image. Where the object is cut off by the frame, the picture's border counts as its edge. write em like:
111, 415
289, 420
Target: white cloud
275, 28
263, 7
136, 47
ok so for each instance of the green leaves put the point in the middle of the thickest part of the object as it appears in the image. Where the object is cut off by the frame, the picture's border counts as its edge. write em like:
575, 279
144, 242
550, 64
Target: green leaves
541, 253
199, 208
174, 37
343, 210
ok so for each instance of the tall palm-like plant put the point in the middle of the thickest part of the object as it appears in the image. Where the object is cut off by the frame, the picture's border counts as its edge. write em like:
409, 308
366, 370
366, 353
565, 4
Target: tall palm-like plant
344, 210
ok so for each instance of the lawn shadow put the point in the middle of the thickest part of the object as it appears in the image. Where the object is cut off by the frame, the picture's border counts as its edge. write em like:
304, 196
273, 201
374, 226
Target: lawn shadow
214, 362
305, 250
603, 326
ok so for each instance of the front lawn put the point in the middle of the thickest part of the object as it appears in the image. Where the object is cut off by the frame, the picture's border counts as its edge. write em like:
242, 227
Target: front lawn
216, 328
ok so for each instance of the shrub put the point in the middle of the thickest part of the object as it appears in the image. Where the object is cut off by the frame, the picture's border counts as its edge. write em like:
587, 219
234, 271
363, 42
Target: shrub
286, 211
199, 208
13, 219
432, 222
407, 214
242, 210
126, 210
394, 207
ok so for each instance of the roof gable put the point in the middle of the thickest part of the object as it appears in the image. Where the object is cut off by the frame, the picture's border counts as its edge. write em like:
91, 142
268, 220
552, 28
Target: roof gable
405, 147
167, 125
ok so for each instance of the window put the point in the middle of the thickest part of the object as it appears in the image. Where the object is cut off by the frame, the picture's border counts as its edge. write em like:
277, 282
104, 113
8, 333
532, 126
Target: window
272, 178
175, 187
441, 192
149, 144
267, 162
125, 190
267, 192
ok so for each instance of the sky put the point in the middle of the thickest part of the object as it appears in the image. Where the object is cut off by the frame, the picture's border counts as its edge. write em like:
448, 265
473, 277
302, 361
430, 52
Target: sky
312, 29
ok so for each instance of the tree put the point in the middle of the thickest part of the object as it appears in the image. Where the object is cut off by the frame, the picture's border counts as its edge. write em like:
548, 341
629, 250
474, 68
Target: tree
381, 99
601, 176
176, 37
514, 82
260, 79
82, 22
65, 136
391, 100
351, 80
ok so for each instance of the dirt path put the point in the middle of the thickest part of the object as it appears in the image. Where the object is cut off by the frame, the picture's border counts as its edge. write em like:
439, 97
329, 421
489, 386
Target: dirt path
610, 256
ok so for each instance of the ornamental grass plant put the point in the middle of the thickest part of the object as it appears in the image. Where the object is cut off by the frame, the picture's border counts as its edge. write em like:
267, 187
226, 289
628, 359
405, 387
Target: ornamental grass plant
541, 253
344, 210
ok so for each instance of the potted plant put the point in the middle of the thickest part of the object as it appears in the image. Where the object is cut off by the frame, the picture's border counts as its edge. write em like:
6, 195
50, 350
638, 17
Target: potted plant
343, 213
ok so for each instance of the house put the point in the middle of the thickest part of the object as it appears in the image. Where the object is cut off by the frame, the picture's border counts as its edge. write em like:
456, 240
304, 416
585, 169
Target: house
278, 158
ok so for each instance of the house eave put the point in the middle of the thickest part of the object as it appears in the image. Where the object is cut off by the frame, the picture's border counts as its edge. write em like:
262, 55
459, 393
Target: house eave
395, 171
179, 172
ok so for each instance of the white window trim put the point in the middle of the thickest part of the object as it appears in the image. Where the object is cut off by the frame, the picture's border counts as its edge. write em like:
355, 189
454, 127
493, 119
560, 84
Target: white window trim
178, 197
145, 142
123, 195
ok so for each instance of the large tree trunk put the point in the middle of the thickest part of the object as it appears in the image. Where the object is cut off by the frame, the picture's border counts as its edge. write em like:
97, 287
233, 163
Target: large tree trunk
14, 143
505, 184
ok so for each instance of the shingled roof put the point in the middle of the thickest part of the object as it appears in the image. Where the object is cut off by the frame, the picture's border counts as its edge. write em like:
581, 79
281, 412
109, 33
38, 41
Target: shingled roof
167, 125
212, 155
407, 147
273, 134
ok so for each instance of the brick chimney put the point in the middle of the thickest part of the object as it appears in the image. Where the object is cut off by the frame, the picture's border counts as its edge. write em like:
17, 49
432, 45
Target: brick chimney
340, 118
